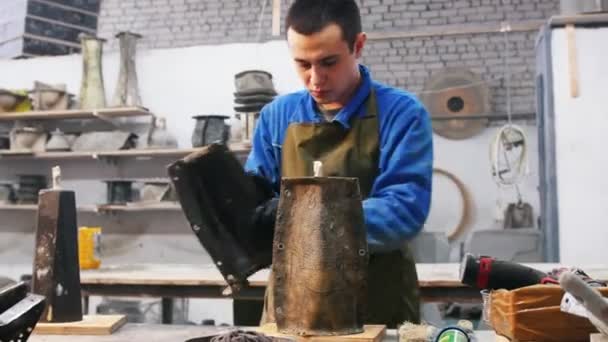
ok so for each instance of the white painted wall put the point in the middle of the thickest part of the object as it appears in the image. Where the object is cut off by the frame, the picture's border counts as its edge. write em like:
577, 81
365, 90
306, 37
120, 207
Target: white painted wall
179, 83
580, 131
174, 83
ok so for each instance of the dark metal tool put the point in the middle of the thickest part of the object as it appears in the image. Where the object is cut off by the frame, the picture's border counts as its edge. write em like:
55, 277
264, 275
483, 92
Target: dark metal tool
485, 272
19, 312
219, 201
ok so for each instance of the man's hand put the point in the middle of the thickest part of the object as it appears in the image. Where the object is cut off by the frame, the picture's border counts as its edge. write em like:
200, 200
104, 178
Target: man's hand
264, 189
264, 215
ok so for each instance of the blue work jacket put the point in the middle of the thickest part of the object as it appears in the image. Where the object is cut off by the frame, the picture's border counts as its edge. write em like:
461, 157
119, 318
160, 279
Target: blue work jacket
399, 201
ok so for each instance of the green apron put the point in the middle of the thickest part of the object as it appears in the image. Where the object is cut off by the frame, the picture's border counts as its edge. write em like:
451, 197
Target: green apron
393, 295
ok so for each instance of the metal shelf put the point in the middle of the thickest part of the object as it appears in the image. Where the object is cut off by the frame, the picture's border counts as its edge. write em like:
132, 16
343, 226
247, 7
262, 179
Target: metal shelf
102, 113
139, 207
19, 207
238, 148
130, 207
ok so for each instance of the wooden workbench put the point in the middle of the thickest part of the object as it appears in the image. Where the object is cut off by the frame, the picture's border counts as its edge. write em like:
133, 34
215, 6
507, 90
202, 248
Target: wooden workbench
180, 333
438, 282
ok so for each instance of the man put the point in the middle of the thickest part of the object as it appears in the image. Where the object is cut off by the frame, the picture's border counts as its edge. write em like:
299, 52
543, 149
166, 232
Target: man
358, 128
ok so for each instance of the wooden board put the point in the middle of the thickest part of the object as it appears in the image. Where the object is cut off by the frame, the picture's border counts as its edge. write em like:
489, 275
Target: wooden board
132, 332
90, 325
372, 333
532, 25
17, 152
598, 338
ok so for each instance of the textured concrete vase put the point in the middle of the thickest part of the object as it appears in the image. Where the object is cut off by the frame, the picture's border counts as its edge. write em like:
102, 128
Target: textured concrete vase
320, 257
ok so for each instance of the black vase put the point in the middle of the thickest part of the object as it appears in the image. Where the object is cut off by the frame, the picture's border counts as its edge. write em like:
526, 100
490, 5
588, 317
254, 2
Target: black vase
5, 143
119, 192
210, 129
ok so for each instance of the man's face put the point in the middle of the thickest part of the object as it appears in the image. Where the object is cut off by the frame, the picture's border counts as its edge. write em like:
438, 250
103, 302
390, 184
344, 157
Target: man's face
326, 65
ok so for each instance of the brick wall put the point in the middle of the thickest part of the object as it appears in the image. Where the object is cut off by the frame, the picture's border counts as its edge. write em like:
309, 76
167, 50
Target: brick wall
409, 62
417, 14
174, 23
423, 46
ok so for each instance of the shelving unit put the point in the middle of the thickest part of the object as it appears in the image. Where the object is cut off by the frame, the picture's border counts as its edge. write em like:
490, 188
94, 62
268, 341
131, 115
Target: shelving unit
161, 155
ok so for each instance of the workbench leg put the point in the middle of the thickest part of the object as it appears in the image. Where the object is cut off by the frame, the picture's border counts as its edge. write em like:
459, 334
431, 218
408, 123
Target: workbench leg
167, 310
247, 312
85, 305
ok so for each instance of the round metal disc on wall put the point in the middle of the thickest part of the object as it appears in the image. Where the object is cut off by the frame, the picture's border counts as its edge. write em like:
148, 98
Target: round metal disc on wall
456, 92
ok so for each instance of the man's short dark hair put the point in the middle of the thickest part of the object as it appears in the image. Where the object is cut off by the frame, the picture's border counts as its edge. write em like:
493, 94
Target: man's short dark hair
311, 16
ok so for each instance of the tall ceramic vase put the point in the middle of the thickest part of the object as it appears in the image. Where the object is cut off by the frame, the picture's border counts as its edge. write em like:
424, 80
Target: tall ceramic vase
127, 90
92, 92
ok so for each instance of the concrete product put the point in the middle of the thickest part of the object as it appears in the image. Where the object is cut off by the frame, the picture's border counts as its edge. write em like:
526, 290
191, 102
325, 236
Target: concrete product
127, 89
320, 257
56, 273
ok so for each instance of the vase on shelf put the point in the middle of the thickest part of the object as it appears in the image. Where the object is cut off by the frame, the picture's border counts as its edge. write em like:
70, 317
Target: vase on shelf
127, 89
92, 92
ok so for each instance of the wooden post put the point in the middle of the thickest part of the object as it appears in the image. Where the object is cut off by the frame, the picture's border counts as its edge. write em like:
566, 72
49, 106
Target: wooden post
572, 60
276, 17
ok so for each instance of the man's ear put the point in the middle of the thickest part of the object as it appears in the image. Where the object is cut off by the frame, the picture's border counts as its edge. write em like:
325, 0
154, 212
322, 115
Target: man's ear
359, 44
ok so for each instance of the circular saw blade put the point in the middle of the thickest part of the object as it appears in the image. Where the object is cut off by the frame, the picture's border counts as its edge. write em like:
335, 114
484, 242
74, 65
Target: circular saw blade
459, 93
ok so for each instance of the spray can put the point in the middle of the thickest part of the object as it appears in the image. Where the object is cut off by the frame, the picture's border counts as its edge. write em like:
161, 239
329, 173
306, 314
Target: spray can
89, 246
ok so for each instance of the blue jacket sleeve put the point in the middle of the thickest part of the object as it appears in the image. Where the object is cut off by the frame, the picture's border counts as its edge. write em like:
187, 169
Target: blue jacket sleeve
400, 198
262, 160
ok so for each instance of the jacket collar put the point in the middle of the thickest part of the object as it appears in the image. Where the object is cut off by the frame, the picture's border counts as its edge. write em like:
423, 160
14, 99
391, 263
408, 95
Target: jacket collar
353, 107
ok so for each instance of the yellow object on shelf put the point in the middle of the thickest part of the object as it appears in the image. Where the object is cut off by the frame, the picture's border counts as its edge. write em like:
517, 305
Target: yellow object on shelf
89, 244
25, 105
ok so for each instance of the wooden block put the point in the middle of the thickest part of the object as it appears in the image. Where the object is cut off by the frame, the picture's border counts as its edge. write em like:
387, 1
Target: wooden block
371, 333
598, 338
90, 325
532, 313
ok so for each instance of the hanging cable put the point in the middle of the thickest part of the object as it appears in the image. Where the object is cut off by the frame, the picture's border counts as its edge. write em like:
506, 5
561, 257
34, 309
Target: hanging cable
509, 148
509, 170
